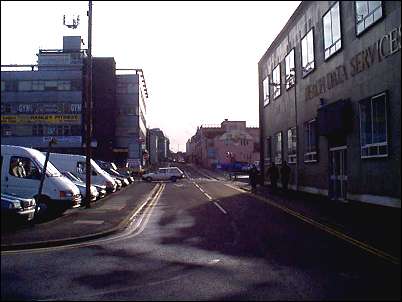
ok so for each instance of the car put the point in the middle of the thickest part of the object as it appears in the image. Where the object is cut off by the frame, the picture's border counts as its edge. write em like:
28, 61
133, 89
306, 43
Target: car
168, 173
102, 189
82, 186
17, 208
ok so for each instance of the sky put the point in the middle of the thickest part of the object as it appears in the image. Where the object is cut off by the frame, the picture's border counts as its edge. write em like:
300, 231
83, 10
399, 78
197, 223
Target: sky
200, 59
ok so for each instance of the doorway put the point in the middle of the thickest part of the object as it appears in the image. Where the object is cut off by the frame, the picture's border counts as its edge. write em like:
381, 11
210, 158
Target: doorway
338, 177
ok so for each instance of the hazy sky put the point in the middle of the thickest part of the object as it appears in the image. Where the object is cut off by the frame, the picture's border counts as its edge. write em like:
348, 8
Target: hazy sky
199, 58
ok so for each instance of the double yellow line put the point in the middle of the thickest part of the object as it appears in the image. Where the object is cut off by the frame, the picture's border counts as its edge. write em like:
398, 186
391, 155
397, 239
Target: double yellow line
368, 248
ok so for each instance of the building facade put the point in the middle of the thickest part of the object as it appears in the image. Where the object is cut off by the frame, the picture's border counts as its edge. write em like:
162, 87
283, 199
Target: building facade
228, 142
330, 92
46, 101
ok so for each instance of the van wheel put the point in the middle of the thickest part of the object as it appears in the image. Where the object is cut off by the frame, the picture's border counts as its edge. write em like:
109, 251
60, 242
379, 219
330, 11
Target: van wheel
173, 178
148, 179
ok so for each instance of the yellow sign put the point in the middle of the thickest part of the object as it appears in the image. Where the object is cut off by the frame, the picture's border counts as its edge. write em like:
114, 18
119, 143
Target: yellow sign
41, 119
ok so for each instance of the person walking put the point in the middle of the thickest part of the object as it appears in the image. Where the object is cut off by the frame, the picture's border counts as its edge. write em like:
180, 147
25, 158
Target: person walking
273, 175
253, 177
285, 174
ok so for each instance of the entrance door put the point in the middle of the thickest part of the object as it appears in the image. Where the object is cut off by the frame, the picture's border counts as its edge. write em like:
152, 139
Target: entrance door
338, 173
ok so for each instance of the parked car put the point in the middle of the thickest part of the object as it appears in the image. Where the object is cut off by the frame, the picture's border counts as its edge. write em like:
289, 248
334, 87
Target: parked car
100, 188
112, 169
21, 173
169, 173
77, 164
17, 208
82, 186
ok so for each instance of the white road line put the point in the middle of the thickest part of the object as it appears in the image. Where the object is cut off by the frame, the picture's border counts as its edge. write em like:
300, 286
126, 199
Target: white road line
220, 208
209, 197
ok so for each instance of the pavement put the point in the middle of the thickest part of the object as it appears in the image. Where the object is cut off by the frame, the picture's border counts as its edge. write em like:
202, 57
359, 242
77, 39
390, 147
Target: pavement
375, 225
106, 216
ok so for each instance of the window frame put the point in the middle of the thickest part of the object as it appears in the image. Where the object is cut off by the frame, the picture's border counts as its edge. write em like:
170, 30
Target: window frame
268, 153
276, 85
340, 40
292, 145
371, 13
306, 73
289, 83
310, 156
267, 97
378, 144
278, 156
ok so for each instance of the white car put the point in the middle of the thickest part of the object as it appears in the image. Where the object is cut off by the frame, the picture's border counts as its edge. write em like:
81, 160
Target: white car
169, 173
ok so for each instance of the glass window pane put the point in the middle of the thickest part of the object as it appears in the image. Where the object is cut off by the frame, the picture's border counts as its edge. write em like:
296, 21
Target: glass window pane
304, 52
372, 5
310, 46
378, 14
361, 10
379, 120
327, 30
336, 23
24, 85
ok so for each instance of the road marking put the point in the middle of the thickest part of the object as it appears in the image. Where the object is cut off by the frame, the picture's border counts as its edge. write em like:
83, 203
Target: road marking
364, 246
220, 208
88, 222
157, 188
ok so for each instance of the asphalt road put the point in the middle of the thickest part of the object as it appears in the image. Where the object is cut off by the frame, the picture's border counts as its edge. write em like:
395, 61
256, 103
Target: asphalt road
203, 240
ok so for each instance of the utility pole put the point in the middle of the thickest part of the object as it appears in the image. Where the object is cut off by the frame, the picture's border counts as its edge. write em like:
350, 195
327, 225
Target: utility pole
88, 102
297, 135
88, 110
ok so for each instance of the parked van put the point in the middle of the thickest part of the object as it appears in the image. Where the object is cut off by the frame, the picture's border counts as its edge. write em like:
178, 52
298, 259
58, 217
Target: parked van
21, 172
77, 163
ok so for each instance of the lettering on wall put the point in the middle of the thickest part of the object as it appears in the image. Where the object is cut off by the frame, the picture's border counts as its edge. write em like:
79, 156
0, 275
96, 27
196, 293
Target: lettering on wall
386, 46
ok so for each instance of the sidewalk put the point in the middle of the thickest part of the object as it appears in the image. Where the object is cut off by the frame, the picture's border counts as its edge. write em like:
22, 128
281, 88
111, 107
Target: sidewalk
376, 225
106, 216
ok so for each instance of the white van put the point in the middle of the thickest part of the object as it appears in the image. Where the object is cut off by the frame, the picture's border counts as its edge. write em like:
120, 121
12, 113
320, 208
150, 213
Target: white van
76, 164
21, 171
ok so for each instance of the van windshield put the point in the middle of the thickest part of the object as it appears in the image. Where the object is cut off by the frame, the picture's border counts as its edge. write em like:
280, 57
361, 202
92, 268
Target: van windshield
96, 167
50, 169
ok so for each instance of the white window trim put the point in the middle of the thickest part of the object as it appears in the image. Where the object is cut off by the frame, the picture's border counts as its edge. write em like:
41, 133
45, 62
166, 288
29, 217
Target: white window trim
334, 43
311, 153
366, 17
386, 130
289, 83
276, 84
266, 92
305, 70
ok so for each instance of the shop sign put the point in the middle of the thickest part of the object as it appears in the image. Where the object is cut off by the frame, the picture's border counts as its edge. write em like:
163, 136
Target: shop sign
41, 119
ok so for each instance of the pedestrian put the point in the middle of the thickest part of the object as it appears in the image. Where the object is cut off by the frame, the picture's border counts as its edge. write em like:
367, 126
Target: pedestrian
253, 177
285, 174
273, 175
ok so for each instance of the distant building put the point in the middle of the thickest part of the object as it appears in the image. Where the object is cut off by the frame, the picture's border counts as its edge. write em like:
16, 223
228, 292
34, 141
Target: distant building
163, 145
330, 100
49, 101
231, 141
46, 101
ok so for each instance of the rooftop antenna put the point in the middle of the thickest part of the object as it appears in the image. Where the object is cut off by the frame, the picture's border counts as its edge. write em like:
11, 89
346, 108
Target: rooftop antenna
75, 23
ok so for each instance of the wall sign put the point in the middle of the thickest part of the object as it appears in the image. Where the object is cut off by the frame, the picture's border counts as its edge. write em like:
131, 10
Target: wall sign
384, 47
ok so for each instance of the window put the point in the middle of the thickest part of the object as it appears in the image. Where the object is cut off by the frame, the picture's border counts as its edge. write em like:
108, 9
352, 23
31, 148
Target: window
38, 85
373, 127
64, 85
23, 167
6, 130
24, 85
332, 31
75, 130
278, 148
51, 130
292, 157
3, 86
59, 130
268, 156
367, 13
307, 44
37, 130
310, 136
276, 79
265, 85
290, 77
66, 130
